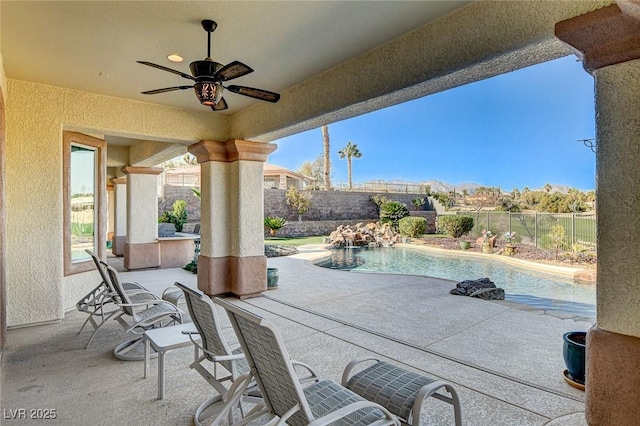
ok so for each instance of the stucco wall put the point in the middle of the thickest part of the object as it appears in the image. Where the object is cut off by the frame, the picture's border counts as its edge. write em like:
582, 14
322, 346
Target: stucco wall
618, 171
3, 187
36, 115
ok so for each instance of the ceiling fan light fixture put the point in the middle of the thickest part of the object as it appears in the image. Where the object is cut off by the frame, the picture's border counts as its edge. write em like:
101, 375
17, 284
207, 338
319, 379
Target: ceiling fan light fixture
208, 93
174, 57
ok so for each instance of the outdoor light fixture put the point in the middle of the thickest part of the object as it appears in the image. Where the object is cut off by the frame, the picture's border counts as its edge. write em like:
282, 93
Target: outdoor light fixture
208, 93
174, 57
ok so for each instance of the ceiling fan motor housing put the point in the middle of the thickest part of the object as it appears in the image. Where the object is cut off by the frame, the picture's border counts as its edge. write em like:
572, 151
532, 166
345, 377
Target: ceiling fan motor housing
204, 68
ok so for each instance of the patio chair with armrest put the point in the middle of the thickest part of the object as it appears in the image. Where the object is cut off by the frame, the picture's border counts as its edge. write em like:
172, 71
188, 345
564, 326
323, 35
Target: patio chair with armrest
137, 316
214, 348
321, 403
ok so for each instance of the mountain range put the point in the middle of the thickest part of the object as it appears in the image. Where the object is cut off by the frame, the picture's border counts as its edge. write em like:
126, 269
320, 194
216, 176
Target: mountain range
439, 186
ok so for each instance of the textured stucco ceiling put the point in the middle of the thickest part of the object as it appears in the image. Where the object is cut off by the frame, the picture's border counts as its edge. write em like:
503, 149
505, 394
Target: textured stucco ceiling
93, 45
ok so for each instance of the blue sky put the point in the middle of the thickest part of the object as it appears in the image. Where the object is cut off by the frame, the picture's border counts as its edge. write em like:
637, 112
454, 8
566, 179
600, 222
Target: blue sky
515, 130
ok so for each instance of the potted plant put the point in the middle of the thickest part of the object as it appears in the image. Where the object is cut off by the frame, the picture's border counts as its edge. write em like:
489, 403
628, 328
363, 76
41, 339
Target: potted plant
487, 242
573, 352
509, 248
465, 245
274, 223
272, 278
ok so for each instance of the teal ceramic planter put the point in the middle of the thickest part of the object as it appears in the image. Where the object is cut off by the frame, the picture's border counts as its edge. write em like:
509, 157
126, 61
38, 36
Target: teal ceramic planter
573, 351
272, 278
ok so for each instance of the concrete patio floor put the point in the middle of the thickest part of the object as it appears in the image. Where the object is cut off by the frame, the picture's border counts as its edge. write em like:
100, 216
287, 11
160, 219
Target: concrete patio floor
504, 359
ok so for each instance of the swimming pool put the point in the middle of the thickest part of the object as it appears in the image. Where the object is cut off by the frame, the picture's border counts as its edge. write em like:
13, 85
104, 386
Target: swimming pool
541, 290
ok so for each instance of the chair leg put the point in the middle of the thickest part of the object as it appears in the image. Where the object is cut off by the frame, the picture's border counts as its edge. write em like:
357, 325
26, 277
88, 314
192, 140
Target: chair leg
90, 317
197, 419
98, 326
123, 349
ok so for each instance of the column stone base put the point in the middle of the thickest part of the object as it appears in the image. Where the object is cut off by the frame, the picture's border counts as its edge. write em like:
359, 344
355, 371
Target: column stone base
243, 277
612, 379
117, 245
141, 256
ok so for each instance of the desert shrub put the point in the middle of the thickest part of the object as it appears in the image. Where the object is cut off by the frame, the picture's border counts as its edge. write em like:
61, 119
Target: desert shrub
392, 211
456, 226
412, 226
417, 202
378, 200
556, 240
273, 223
299, 201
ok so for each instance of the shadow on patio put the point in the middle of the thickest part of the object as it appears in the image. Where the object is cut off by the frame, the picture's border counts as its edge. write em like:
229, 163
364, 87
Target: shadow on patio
505, 361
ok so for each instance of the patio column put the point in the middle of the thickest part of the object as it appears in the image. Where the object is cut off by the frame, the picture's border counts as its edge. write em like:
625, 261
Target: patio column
141, 248
607, 42
232, 256
119, 216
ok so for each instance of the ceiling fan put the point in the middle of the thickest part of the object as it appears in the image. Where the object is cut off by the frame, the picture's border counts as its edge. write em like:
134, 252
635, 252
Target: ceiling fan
209, 76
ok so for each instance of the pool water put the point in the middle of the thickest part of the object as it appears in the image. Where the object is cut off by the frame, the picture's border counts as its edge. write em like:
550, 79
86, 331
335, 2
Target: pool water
544, 291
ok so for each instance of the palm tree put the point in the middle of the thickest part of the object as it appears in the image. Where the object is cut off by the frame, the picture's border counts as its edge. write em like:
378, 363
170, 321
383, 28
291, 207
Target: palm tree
327, 158
350, 151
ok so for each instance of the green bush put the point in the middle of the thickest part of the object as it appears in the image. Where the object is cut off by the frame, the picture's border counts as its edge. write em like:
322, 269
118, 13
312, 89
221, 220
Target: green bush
178, 216
456, 226
412, 226
392, 211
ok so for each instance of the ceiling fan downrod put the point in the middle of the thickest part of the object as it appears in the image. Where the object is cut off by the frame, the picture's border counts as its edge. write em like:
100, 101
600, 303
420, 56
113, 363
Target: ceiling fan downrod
209, 26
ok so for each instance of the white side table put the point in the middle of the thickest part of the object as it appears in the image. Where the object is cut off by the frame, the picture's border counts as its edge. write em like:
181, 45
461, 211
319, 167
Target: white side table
163, 340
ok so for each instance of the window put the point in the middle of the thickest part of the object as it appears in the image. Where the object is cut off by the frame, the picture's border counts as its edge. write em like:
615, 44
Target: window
84, 200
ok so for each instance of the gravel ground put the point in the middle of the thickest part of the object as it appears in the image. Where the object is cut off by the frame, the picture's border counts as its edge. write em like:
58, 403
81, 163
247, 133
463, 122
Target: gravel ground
272, 250
585, 260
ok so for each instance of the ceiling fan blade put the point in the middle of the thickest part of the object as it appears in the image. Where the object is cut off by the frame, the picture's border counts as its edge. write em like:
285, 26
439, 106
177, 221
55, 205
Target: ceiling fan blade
166, 89
263, 95
233, 70
160, 67
222, 104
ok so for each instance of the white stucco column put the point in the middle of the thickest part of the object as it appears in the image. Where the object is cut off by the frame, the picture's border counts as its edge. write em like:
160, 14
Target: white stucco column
607, 41
141, 248
232, 215
119, 212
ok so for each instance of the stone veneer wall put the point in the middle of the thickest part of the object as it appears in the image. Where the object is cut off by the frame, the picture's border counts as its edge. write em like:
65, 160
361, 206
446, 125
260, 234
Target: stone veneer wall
329, 209
331, 205
325, 205
173, 193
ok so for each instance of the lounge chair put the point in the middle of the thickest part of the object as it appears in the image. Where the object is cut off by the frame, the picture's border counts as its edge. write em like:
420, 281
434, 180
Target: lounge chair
321, 403
137, 316
99, 303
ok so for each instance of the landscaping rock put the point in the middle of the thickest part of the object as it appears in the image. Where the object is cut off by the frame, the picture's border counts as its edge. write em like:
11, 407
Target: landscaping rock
482, 288
271, 250
370, 234
489, 294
